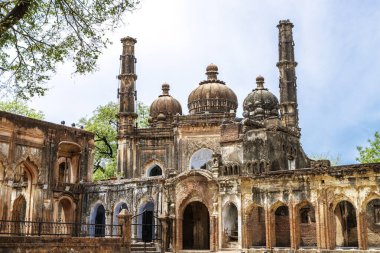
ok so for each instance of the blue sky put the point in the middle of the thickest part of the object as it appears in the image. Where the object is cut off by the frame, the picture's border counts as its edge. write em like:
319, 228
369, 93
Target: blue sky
336, 47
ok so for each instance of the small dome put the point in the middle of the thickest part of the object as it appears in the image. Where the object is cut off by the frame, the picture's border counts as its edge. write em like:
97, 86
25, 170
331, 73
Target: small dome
212, 95
260, 103
165, 105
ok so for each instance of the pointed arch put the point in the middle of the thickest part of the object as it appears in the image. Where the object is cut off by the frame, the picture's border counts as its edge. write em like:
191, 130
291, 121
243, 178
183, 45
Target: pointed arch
98, 220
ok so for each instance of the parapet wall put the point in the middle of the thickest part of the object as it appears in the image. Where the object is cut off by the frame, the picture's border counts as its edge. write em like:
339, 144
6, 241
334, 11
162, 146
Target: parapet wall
23, 244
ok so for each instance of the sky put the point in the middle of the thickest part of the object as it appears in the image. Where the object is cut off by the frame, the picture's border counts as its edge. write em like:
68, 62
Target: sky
336, 47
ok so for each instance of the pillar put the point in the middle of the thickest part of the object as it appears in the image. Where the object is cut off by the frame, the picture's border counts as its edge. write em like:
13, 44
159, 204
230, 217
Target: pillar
125, 219
213, 233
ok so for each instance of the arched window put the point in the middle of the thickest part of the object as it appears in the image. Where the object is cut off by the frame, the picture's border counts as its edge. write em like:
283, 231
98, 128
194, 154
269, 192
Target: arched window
201, 159
63, 172
230, 225
155, 171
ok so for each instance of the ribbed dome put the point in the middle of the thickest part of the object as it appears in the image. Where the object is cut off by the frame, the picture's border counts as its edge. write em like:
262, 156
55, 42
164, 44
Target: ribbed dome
165, 105
260, 103
212, 95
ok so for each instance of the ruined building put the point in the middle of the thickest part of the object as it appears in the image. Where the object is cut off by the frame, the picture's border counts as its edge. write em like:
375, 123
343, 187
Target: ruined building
206, 179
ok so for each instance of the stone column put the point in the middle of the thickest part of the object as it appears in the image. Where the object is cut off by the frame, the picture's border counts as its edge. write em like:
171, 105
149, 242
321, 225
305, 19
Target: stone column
164, 234
244, 233
125, 219
213, 233
268, 228
361, 225
293, 226
177, 224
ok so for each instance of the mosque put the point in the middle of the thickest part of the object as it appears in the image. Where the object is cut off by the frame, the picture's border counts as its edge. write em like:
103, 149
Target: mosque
203, 181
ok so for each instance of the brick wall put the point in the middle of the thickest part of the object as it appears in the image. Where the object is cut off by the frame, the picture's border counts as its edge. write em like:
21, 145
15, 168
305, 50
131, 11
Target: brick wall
282, 229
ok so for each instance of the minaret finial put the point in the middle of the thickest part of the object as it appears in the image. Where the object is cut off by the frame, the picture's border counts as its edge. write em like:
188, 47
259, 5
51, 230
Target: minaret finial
165, 89
260, 83
212, 72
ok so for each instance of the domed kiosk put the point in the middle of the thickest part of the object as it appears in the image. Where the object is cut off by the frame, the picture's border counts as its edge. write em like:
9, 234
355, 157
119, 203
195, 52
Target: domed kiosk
212, 95
260, 103
165, 107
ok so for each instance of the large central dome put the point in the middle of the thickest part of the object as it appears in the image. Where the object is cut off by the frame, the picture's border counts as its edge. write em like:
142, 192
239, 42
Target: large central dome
212, 95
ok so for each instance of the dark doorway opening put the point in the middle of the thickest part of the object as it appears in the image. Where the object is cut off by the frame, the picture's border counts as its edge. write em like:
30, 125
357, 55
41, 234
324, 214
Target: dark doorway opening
196, 227
147, 221
100, 220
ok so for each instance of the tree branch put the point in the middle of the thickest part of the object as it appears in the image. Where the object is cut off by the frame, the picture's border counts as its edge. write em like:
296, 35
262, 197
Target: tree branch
15, 15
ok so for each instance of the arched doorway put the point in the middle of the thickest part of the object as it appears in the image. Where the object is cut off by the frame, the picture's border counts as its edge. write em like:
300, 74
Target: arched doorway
19, 215
145, 229
255, 227
100, 221
373, 223
307, 226
118, 208
196, 227
65, 212
282, 226
346, 232
230, 226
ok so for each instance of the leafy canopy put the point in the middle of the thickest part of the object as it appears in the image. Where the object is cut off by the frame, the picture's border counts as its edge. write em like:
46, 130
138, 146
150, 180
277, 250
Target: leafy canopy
103, 123
36, 35
370, 154
21, 107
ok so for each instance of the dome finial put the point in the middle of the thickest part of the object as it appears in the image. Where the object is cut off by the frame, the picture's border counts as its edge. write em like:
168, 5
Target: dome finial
260, 82
165, 89
212, 72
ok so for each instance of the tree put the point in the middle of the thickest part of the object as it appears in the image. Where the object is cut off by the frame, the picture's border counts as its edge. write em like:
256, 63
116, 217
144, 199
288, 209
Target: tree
370, 154
103, 123
36, 35
21, 107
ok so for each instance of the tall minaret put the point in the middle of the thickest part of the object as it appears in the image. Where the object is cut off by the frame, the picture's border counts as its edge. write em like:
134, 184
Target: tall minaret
127, 90
127, 114
287, 67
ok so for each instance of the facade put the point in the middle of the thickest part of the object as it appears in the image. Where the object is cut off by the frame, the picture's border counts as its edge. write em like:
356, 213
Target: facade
205, 180
42, 169
216, 182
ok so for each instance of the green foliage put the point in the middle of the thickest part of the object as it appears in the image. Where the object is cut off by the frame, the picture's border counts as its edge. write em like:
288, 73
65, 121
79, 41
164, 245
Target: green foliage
143, 113
21, 107
370, 154
103, 123
36, 35
334, 159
